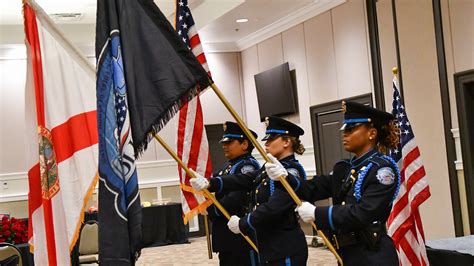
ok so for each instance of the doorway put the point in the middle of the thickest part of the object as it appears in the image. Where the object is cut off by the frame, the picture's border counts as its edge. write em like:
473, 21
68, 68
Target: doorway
326, 120
464, 85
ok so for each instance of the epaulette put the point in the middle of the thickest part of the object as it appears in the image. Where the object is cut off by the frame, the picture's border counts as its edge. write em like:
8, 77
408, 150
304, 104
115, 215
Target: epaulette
381, 160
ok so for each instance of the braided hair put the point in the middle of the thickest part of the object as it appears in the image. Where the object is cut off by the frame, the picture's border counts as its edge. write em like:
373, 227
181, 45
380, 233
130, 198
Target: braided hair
388, 137
296, 144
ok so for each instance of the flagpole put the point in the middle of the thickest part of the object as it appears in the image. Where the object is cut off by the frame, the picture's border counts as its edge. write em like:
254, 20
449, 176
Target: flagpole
283, 181
206, 192
208, 236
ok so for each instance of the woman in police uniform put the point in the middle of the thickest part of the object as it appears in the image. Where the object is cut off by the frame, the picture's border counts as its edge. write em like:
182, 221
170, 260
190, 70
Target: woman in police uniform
362, 189
272, 219
232, 248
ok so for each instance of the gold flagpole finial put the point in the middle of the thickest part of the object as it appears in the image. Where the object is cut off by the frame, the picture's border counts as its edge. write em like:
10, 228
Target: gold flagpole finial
395, 71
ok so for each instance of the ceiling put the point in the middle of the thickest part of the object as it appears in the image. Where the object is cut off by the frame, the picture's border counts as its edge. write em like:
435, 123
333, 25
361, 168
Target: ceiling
215, 19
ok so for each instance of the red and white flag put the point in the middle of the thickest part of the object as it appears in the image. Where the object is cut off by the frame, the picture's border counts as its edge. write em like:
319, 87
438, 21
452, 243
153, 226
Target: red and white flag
61, 123
404, 223
192, 144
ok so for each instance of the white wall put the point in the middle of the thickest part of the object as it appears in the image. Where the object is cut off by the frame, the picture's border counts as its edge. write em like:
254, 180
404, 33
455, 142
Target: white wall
422, 90
330, 55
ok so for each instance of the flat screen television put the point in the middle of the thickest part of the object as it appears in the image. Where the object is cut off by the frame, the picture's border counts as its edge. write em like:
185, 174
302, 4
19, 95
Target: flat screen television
276, 92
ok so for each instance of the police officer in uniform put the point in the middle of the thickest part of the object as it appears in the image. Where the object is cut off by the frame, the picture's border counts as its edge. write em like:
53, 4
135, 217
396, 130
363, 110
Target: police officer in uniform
362, 188
232, 248
272, 219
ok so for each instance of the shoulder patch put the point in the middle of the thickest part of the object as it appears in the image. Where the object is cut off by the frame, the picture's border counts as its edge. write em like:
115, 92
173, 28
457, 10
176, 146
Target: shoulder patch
248, 168
385, 176
294, 172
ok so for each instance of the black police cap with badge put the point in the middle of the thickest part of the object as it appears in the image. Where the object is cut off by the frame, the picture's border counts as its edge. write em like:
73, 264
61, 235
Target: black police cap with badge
277, 126
356, 114
233, 131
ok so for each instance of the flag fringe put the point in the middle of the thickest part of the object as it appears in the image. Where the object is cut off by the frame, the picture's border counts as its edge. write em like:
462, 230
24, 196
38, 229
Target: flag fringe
187, 188
81, 216
200, 208
160, 122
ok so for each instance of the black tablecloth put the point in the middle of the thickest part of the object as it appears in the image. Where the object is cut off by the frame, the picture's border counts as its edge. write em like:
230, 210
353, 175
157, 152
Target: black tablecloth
26, 256
457, 251
441, 257
163, 225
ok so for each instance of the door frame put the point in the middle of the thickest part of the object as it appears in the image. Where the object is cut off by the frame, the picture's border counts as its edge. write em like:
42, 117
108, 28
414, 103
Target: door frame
460, 81
330, 107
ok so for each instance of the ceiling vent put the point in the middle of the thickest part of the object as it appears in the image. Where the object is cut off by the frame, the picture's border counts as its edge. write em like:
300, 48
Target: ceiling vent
66, 16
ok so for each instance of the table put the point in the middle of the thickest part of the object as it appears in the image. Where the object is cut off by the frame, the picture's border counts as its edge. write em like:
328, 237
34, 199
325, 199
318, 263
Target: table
457, 251
163, 225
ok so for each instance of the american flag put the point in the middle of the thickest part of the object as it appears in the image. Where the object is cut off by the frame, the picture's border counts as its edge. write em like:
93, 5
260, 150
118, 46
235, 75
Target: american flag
192, 144
404, 223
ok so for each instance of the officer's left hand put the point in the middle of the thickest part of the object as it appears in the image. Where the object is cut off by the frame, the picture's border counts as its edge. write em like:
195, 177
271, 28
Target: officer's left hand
306, 212
274, 169
233, 224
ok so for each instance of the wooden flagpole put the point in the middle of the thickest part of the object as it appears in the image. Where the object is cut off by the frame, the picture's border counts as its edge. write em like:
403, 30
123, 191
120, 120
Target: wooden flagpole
208, 236
206, 192
260, 149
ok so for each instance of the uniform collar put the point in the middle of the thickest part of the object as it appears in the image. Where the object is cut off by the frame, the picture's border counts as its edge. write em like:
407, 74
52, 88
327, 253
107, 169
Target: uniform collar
288, 158
357, 161
241, 157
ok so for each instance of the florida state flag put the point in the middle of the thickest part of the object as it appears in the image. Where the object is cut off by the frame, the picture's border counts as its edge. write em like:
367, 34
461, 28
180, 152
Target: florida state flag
61, 122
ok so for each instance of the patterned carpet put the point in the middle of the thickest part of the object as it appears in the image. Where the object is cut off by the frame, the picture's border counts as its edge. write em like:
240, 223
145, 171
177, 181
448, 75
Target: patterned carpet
195, 253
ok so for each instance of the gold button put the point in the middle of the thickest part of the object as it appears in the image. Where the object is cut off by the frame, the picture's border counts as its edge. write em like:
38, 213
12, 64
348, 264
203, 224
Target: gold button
343, 203
375, 234
265, 183
353, 171
256, 191
258, 204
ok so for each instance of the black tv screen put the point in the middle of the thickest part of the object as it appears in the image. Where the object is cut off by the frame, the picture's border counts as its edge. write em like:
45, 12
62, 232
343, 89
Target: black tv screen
275, 92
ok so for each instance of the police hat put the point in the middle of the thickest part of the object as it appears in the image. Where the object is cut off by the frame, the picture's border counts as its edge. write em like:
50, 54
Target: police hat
278, 126
356, 114
233, 131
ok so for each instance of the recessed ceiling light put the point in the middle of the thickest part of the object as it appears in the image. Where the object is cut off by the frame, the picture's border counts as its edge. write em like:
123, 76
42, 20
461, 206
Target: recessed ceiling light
242, 20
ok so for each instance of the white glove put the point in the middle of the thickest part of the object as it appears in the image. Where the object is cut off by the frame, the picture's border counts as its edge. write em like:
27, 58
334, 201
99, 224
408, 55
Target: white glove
199, 182
233, 224
306, 212
274, 169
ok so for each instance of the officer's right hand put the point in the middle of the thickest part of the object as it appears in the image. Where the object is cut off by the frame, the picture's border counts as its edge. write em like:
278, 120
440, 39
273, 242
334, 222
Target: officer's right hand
199, 182
306, 212
275, 169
